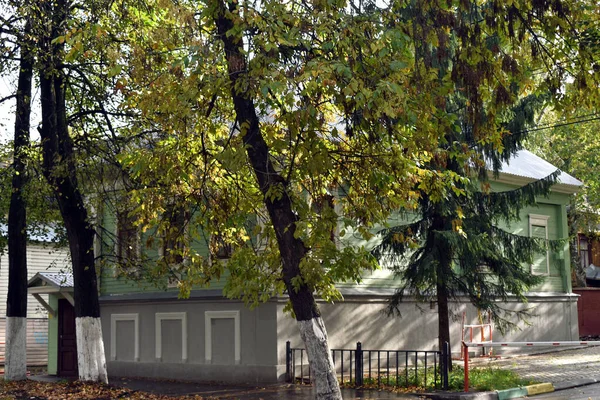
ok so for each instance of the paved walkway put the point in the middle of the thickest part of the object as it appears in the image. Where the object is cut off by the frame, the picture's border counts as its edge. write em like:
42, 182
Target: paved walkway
269, 392
554, 367
212, 391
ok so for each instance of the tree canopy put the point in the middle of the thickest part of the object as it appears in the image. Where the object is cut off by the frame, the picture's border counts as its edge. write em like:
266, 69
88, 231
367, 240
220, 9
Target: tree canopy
318, 116
349, 96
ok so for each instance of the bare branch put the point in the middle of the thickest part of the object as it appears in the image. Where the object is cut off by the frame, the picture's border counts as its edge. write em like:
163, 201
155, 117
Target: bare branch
12, 96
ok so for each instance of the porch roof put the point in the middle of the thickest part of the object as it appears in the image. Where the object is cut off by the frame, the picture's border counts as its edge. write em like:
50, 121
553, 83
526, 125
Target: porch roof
59, 283
52, 281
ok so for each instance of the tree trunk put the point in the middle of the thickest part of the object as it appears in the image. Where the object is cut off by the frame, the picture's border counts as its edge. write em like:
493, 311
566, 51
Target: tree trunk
283, 218
16, 301
443, 321
60, 171
578, 272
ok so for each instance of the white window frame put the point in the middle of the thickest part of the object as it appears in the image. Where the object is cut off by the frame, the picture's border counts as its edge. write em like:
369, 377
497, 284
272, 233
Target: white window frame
176, 267
158, 318
114, 318
262, 220
337, 208
584, 263
540, 220
208, 317
138, 245
212, 258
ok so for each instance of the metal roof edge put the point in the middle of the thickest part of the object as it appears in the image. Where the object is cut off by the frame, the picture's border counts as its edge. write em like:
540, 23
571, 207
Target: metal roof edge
519, 180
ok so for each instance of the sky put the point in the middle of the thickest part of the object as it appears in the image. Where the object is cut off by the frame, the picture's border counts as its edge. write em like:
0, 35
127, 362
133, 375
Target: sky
8, 84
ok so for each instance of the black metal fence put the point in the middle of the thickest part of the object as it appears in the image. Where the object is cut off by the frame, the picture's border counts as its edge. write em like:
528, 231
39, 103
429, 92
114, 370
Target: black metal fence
390, 367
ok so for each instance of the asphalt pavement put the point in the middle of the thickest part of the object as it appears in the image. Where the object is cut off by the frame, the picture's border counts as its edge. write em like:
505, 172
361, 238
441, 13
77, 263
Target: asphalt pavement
588, 392
573, 374
241, 392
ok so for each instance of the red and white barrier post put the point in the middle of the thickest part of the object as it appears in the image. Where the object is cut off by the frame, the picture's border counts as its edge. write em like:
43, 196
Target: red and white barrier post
466, 358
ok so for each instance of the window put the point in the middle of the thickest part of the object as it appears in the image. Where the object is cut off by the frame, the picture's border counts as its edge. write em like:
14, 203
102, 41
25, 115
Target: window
584, 251
178, 316
262, 223
219, 249
209, 316
538, 228
326, 209
114, 319
321, 205
175, 235
128, 240
174, 241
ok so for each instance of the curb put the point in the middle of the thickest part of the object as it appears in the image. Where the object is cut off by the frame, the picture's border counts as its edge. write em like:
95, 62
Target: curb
513, 393
525, 391
575, 383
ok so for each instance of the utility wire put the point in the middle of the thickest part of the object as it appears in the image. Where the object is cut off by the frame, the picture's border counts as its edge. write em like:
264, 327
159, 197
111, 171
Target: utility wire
592, 117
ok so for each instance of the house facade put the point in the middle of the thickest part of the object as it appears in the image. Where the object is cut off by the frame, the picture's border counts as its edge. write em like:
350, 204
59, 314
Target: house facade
41, 257
152, 333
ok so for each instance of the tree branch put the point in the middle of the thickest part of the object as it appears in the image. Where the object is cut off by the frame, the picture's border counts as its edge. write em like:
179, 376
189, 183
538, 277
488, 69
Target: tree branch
12, 96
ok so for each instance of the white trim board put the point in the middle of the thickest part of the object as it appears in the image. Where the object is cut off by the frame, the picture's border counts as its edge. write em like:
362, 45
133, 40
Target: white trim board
114, 318
44, 304
210, 315
540, 220
159, 317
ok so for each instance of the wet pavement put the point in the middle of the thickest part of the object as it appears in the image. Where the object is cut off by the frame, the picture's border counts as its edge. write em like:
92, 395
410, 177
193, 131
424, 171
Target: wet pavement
559, 367
554, 367
269, 392
234, 392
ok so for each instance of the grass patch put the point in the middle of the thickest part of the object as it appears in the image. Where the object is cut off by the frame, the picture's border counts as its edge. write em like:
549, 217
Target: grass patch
487, 378
480, 379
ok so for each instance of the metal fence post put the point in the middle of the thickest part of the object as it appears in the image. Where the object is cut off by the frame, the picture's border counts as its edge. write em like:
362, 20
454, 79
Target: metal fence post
446, 357
358, 365
288, 361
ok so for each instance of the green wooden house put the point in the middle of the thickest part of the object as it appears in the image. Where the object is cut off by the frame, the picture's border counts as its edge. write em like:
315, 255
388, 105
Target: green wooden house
151, 332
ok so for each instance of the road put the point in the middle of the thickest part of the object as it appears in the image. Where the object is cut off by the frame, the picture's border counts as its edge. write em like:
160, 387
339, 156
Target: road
590, 392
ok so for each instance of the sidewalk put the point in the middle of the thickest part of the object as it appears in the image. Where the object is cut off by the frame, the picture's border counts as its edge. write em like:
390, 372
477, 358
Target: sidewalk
229, 392
562, 369
554, 367
233, 392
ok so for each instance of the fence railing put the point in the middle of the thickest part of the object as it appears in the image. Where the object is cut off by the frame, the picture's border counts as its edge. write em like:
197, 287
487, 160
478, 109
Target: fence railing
375, 366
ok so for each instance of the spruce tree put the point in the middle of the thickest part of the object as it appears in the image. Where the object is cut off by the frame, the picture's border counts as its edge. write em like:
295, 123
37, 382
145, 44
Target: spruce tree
456, 246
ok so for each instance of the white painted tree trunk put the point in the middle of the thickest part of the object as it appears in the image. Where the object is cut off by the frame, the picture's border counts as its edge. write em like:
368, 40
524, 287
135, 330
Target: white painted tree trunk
15, 368
90, 350
314, 336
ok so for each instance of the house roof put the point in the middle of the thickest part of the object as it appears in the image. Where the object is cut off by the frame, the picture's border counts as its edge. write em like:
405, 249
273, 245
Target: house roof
59, 280
525, 164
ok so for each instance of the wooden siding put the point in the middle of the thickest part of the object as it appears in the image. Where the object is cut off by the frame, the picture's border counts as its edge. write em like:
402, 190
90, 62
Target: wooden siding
552, 206
554, 282
40, 258
111, 283
37, 341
